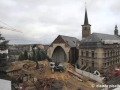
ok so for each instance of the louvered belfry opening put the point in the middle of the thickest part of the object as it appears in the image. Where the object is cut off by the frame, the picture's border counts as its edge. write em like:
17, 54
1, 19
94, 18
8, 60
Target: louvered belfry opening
59, 55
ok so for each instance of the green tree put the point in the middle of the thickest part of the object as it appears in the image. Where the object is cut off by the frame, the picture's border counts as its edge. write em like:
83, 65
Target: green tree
39, 55
25, 55
21, 56
29, 57
3, 51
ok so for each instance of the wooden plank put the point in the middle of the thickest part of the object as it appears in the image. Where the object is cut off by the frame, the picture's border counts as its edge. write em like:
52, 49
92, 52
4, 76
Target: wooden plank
76, 74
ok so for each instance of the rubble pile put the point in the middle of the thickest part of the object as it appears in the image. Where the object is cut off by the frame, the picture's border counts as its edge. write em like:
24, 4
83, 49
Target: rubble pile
49, 84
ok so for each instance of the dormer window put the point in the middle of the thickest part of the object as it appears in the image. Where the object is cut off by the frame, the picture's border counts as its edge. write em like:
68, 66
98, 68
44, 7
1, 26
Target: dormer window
73, 41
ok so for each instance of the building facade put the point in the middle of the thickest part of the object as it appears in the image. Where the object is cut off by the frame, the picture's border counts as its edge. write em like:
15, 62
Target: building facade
98, 51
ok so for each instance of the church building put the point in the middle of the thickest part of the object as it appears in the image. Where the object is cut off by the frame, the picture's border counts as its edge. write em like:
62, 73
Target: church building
98, 51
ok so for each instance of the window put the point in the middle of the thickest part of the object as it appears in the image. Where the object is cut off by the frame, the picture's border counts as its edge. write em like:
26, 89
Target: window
81, 53
82, 61
111, 53
87, 54
85, 27
105, 54
105, 64
92, 63
93, 54
73, 41
108, 53
87, 62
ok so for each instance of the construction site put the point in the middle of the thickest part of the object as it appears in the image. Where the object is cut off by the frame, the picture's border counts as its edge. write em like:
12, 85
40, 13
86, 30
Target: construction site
45, 78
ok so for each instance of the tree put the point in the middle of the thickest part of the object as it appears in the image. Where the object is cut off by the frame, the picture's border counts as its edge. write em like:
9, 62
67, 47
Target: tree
21, 56
25, 55
3, 51
29, 57
35, 55
39, 55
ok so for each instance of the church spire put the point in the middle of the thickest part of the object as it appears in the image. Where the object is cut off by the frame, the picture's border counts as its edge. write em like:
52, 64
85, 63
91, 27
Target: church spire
86, 27
86, 18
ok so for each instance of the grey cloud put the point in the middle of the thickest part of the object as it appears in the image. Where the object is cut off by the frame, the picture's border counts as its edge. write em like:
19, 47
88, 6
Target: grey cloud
38, 17
115, 8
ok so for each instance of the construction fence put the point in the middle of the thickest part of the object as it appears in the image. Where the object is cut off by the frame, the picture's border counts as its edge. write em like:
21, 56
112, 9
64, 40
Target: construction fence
90, 75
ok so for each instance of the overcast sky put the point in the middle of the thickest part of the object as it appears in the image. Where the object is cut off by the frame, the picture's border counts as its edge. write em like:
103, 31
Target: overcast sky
41, 21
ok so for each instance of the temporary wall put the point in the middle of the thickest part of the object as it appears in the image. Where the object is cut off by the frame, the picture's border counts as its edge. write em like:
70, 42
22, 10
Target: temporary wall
90, 75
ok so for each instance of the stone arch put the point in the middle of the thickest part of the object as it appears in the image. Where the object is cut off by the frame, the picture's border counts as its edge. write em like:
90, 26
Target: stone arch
51, 50
59, 54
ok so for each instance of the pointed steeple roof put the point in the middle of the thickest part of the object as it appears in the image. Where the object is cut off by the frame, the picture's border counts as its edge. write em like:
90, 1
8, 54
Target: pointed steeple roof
116, 27
86, 18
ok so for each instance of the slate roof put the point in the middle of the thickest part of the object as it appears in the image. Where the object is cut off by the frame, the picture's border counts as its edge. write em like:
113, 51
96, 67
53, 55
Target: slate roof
71, 41
99, 37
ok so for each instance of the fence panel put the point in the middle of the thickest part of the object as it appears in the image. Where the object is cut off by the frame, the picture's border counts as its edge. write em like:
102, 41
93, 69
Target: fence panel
90, 75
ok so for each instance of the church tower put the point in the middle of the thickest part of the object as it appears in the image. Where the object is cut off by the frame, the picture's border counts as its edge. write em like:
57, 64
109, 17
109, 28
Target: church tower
116, 30
86, 28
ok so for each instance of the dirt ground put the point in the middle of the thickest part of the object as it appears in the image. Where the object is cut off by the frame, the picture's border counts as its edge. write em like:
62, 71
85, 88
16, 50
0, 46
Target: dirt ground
70, 82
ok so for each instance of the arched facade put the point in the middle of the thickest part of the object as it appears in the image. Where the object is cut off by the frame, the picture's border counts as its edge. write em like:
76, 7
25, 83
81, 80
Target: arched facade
59, 54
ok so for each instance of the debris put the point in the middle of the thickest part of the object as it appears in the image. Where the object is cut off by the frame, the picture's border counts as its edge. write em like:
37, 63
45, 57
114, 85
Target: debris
49, 84
75, 75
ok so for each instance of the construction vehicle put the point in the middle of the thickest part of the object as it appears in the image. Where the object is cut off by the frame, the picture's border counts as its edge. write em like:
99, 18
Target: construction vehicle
57, 67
